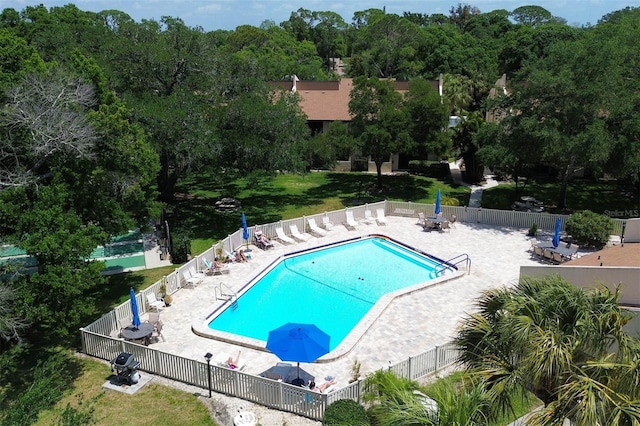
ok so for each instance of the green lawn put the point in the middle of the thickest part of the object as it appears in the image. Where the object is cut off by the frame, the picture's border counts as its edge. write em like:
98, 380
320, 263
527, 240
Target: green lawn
597, 196
286, 196
153, 405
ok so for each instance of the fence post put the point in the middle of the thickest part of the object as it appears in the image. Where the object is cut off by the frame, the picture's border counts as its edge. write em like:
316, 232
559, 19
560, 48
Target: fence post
435, 364
409, 369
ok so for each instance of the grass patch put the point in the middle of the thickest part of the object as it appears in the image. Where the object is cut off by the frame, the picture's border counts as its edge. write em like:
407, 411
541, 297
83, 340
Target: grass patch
286, 196
597, 196
154, 404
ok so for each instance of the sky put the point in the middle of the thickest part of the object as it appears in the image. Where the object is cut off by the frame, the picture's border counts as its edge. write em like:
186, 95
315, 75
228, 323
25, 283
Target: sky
229, 14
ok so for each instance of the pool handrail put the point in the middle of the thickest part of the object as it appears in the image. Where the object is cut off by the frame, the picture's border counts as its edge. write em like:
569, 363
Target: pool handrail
446, 264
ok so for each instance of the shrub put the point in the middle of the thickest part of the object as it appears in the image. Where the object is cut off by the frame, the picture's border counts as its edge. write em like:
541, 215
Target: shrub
180, 248
533, 230
345, 412
589, 229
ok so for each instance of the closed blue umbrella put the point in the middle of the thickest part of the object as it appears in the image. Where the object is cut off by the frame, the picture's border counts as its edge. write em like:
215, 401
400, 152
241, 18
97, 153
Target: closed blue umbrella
298, 342
556, 236
245, 230
437, 211
134, 308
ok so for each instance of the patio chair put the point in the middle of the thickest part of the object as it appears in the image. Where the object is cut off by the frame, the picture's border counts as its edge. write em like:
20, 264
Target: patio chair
189, 281
157, 332
282, 237
538, 251
326, 223
350, 222
154, 317
154, 303
445, 226
315, 229
452, 220
421, 219
196, 274
117, 333
368, 217
557, 257
296, 234
429, 226
380, 217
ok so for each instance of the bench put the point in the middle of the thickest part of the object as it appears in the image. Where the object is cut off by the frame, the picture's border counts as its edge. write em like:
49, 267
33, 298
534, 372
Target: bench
404, 212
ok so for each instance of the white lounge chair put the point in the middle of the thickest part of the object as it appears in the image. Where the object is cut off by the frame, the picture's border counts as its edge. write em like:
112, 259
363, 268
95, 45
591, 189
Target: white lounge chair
155, 303
196, 274
280, 235
189, 280
350, 222
315, 229
368, 217
230, 256
326, 223
380, 217
222, 361
296, 234
216, 270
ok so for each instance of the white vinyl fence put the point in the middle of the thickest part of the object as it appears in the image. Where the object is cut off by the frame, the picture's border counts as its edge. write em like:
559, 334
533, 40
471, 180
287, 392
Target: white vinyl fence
98, 338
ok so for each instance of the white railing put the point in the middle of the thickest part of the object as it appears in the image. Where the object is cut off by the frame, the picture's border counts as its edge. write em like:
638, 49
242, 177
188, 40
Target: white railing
96, 340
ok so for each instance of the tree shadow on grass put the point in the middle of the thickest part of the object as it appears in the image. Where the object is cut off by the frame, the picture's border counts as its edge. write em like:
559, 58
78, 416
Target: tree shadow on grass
263, 201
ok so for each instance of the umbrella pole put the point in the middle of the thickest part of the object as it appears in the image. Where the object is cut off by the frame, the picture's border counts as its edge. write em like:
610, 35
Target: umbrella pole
298, 372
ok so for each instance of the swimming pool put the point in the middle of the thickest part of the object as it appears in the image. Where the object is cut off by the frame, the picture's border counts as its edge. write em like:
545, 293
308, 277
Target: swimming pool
337, 288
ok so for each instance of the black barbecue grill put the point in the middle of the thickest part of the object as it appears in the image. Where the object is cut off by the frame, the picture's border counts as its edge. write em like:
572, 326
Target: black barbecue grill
126, 368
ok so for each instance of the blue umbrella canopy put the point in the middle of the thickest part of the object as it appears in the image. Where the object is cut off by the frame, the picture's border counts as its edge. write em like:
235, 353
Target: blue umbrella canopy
245, 229
437, 211
556, 235
134, 308
298, 342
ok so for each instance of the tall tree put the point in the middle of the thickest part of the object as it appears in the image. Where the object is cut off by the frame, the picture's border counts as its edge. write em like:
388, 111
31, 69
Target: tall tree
428, 117
562, 109
379, 120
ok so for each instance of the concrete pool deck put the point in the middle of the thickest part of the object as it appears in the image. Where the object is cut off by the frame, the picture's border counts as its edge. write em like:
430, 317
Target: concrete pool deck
410, 325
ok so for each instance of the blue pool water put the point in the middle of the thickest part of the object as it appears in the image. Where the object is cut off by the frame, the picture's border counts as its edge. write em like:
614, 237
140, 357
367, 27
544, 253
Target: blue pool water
333, 288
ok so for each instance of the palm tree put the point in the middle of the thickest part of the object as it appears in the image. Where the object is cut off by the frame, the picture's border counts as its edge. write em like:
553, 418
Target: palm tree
396, 401
565, 344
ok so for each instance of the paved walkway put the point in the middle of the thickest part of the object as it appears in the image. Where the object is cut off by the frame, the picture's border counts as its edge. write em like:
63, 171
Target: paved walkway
475, 200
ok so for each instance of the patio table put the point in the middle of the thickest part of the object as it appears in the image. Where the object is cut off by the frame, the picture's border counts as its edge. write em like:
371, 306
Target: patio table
142, 332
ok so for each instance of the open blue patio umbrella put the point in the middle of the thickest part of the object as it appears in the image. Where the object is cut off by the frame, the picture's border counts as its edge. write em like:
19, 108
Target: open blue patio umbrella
437, 211
245, 229
556, 235
299, 343
134, 308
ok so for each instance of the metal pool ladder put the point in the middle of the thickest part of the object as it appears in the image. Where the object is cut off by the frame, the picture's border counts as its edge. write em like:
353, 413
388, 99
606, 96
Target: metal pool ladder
442, 266
223, 292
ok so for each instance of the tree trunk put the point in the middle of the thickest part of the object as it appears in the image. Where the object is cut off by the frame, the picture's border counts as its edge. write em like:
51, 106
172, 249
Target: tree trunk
166, 180
379, 172
562, 197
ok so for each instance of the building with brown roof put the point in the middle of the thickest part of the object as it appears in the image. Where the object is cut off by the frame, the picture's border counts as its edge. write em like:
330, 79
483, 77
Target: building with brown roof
324, 102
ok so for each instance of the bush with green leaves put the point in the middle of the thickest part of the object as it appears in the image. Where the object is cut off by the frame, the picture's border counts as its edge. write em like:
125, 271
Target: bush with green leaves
47, 383
589, 229
345, 412
180, 248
